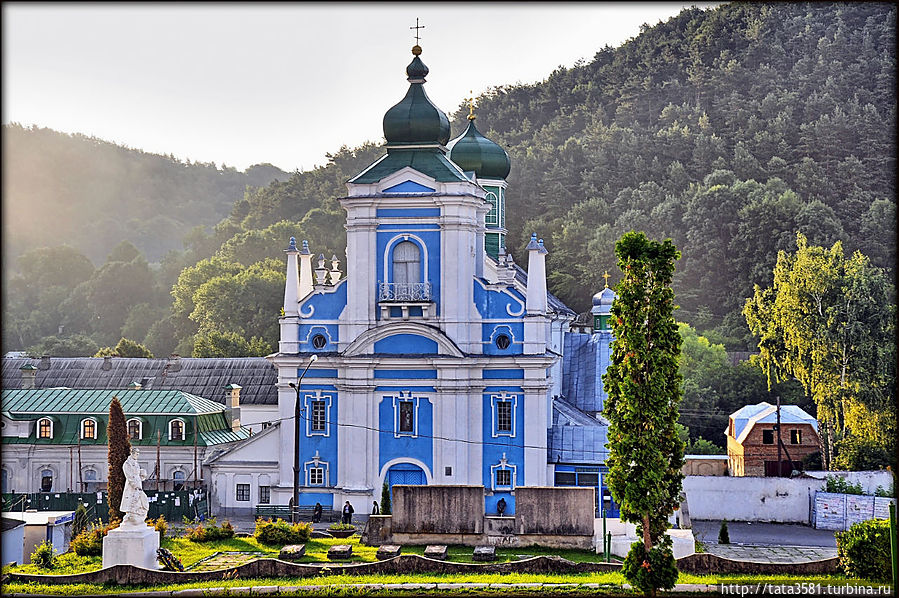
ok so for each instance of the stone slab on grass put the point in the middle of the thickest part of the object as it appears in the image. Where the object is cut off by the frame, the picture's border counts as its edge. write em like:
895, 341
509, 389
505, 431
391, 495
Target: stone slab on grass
292, 552
340, 551
388, 551
484, 553
437, 552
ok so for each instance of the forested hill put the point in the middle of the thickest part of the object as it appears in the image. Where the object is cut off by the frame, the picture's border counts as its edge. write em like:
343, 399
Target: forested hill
93, 194
726, 129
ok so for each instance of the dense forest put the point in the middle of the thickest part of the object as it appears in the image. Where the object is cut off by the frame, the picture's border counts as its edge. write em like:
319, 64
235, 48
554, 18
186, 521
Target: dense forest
93, 194
729, 130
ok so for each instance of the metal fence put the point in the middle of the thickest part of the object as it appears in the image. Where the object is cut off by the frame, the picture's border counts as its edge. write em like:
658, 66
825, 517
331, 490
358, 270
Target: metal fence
174, 506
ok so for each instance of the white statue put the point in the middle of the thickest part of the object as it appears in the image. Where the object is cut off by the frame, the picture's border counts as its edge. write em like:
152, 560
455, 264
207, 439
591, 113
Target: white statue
135, 504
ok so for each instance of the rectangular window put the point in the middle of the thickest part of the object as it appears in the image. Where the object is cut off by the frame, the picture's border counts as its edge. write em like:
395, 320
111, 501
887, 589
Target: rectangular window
503, 477
767, 436
407, 417
316, 476
265, 495
566, 478
243, 492
318, 416
795, 436
492, 215
504, 416
45, 429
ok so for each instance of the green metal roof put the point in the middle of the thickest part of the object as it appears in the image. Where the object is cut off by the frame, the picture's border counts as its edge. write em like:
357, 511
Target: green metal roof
134, 402
429, 161
222, 436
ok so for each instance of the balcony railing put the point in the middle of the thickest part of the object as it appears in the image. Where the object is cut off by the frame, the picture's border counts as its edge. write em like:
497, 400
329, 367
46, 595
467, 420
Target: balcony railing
404, 291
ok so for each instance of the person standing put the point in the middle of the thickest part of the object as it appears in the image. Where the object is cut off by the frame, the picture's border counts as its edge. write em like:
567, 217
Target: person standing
375, 510
348, 511
317, 513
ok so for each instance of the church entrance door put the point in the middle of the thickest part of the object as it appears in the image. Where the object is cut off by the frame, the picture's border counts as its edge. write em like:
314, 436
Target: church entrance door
405, 473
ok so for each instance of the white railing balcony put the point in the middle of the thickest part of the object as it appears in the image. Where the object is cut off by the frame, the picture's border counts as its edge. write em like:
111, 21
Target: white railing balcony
404, 292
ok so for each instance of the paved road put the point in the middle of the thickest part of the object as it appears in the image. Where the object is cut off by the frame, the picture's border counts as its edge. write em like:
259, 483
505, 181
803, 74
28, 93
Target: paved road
764, 534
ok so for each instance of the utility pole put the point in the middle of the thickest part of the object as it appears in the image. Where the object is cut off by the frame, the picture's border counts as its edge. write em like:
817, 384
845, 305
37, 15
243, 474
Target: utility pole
780, 472
196, 433
80, 468
158, 470
71, 468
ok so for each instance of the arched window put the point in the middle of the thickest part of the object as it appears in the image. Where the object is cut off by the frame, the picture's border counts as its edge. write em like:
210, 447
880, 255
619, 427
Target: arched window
45, 428
406, 262
135, 429
88, 429
178, 478
176, 429
46, 480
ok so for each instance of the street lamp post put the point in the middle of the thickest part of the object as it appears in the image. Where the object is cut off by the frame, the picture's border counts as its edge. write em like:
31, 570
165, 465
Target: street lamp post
296, 442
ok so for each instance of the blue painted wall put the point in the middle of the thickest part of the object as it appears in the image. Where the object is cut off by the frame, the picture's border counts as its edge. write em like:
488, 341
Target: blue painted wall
405, 344
493, 448
391, 447
326, 445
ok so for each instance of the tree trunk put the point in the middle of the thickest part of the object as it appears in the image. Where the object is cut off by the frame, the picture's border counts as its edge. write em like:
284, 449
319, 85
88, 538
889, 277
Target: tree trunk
647, 541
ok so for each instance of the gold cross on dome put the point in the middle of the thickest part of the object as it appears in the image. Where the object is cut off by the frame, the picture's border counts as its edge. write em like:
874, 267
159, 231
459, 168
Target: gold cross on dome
417, 27
470, 99
606, 276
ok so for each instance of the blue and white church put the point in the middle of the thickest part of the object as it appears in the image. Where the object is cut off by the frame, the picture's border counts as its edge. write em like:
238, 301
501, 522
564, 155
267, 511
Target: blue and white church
437, 360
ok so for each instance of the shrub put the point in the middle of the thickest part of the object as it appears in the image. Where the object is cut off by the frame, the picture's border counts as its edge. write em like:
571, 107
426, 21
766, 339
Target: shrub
279, 532
44, 556
723, 534
341, 526
864, 550
90, 541
657, 569
841, 485
160, 525
209, 531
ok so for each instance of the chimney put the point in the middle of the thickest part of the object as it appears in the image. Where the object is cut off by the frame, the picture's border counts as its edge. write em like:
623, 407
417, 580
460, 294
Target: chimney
174, 363
232, 407
28, 376
107, 363
45, 363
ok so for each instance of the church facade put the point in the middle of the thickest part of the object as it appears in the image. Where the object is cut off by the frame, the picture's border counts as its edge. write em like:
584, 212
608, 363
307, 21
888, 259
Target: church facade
437, 360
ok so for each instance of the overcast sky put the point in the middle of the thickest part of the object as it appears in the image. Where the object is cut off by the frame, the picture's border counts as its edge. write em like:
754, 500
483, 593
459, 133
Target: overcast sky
282, 83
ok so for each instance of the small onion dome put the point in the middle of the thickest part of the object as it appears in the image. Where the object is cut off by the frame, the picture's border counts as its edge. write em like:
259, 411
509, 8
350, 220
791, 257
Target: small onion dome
473, 151
415, 119
602, 301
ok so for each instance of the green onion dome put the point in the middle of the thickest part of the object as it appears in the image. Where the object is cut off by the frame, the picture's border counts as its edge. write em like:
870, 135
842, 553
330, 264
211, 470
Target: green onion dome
473, 151
415, 119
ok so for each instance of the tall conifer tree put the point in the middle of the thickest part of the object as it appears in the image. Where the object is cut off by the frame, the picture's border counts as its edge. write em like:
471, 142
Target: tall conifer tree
119, 448
644, 386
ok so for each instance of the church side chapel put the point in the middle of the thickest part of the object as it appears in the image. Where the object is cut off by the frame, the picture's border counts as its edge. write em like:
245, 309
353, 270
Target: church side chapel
437, 359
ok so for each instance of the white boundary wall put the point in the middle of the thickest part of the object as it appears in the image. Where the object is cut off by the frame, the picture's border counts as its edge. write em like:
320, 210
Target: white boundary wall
781, 500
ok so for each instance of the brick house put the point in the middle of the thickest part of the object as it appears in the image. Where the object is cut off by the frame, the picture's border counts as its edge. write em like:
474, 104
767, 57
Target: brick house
752, 439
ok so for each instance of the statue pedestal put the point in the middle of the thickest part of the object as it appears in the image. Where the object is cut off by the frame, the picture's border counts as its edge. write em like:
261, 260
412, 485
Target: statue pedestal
133, 545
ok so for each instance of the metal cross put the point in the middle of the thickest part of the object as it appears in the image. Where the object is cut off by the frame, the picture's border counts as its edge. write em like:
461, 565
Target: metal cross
417, 27
606, 276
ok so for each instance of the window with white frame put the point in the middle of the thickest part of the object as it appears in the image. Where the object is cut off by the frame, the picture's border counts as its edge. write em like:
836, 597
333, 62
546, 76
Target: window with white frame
502, 475
492, 216
317, 407
405, 414
318, 416
88, 429
243, 492
176, 429
316, 471
45, 428
135, 429
316, 476
503, 407
406, 262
